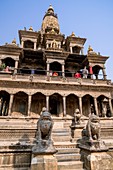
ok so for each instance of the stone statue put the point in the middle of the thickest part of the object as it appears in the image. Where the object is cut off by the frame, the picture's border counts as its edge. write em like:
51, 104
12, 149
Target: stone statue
104, 110
43, 142
44, 126
91, 139
93, 128
77, 116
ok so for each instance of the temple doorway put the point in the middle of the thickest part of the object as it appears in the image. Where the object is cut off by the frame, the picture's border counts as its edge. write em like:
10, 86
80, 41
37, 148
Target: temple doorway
20, 104
55, 67
55, 104
103, 106
87, 103
38, 102
72, 103
4, 103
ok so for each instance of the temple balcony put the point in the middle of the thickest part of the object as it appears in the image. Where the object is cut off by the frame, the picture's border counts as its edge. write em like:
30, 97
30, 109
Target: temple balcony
29, 77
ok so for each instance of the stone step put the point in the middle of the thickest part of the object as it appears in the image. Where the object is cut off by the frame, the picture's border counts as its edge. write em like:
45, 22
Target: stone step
68, 150
72, 165
61, 139
61, 135
68, 157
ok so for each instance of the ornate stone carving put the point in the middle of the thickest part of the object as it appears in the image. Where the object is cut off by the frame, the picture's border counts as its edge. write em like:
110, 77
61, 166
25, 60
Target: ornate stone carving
77, 116
43, 141
93, 128
91, 139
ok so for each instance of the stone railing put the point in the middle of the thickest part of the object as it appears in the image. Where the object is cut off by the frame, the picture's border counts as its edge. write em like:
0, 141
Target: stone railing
44, 78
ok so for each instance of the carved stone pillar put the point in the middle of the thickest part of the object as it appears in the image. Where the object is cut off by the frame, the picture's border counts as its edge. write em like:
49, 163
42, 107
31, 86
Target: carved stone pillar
63, 72
0, 61
96, 107
29, 104
10, 104
71, 49
34, 45
82, 52
110, 106
104, 73
47, 103
64, 105
16, 66
80, 104
22, 43
48, 68
47, 45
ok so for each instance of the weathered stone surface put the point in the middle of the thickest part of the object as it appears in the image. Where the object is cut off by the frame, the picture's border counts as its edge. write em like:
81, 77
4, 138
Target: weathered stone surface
44, 162
97, 160
43, 142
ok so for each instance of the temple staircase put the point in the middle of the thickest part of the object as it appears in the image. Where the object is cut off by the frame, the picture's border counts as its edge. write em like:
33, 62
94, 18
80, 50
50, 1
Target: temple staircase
68, 154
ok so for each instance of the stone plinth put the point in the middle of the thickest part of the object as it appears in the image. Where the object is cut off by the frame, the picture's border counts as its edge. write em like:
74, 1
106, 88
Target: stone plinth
76, 132
95, 156
43, 162
97, 160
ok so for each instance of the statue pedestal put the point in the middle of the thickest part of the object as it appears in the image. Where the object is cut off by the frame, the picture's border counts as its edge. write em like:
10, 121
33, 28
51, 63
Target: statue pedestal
43, 162
96, 156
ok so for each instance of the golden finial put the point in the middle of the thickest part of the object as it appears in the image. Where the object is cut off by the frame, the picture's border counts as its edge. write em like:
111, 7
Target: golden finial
14, 41
50, 7
89, 49
31, 28
73, 34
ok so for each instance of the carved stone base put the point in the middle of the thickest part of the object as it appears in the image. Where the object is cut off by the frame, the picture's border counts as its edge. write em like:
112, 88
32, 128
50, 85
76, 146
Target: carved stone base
44, 147
43, 162
97, 160
93, 145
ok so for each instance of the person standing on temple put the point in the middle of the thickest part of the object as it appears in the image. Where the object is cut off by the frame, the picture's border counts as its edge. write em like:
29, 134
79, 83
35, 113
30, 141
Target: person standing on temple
85, 72
91, 71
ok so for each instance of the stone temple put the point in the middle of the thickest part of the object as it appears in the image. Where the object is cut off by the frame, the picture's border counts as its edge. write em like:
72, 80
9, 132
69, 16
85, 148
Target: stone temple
50, 71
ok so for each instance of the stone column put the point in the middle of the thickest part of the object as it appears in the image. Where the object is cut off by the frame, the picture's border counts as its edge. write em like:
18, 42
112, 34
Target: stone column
47, 103
80, 104
71, 49
110, 106
10, 104
22, 43
47, 45
63, 72
16, 66
96, 107
104, 73
48, 68
29, 104
0, 62
34, 45
64, 106
82, 52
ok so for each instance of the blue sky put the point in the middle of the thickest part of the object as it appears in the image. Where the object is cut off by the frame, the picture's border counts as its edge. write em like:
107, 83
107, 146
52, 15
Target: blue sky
91, 19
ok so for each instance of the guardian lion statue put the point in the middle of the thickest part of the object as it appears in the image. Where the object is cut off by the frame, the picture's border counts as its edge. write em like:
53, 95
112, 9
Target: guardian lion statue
43, 142
44, 126
77, 116
93, 128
